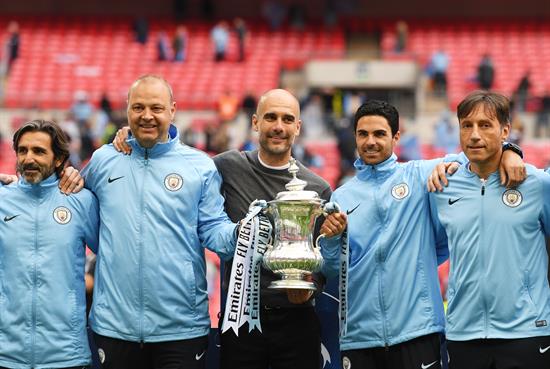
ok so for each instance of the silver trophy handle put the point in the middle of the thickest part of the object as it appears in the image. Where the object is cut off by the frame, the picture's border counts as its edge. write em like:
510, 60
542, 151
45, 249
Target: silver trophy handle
329, 208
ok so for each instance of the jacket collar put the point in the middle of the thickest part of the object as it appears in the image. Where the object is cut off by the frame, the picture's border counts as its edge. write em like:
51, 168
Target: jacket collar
381, 170
37, 189
468, 173
159, 148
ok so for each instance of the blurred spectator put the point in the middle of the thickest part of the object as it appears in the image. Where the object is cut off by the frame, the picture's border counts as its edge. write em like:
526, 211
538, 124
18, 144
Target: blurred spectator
242, 36
346, 144
12, 45
249, 106
313, 113
105, 104
401, 36
162, 47
180, 9
228, 106
516, 129
409, 146
446, 134
274, 13
330, 16
250, 143
296, 15
543, 116
302, 154
207, 9
81, 109
522, 92
216, 138
103, 118
141, 30
220, 38
189, 137
87, 140
179, 43
485, 72
72, 130
437, 69
351, 101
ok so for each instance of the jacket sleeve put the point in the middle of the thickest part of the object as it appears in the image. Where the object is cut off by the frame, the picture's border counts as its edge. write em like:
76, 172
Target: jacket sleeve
91, 221
427, 166
441, 241
88, 173
330, 250
216, 232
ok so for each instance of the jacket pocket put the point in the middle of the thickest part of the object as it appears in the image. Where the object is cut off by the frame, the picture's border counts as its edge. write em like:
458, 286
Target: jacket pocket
527, 293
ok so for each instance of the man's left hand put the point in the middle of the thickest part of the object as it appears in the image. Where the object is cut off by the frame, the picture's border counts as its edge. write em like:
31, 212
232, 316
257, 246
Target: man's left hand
334, 224
71, 181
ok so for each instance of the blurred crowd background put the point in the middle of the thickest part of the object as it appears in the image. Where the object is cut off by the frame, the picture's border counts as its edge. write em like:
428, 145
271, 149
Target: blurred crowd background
74, 61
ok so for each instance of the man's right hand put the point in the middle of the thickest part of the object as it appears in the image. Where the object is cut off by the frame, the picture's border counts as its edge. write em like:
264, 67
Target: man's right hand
7, 178
120, 143
438, 178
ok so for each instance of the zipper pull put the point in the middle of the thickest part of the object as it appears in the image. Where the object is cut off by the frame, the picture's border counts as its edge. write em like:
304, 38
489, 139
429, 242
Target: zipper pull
146, 154
483, 187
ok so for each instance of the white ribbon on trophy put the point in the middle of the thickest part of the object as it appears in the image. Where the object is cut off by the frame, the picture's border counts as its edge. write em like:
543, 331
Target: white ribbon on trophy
243, 296
343, 283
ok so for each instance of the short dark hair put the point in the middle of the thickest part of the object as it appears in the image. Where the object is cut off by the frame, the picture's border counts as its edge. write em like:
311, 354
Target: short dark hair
60, 143
381, 108
496, 105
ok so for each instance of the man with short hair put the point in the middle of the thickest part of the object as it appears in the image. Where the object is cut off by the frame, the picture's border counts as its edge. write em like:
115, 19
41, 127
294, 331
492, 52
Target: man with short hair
499, 297
43, 237
394, 308
290, 334
159, 207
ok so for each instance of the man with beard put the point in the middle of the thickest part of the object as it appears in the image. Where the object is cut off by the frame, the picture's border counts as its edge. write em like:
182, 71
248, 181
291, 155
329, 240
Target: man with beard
43, 237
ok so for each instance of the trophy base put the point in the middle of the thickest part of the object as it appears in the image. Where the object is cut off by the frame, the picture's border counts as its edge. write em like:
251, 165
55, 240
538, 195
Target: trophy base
292, 284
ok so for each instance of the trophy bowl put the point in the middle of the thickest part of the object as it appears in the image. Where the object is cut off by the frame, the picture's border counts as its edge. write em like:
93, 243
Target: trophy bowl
294, 255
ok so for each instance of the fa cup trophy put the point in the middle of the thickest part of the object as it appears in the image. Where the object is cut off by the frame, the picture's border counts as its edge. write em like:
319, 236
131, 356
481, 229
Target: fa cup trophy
294, 255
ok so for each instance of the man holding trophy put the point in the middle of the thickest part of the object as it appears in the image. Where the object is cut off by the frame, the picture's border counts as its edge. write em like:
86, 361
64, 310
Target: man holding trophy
290, 329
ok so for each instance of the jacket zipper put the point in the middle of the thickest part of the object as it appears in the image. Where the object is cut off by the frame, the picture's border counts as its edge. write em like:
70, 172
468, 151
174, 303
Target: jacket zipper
34, 287
141, 312
483, 261
380, 268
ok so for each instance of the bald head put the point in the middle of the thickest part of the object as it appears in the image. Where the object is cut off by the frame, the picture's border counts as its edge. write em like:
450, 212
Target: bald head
278, 96
151, 78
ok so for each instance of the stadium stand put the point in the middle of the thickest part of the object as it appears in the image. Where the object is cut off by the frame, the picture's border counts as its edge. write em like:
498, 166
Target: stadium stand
515, 46
60, 56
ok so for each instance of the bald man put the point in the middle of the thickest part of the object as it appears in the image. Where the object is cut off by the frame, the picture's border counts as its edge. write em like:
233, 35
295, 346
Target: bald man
158, 207
290, 336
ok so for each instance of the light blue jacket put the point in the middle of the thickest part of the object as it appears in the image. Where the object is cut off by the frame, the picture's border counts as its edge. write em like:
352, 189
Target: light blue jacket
42, 293
498, 286
159, 209
393, 287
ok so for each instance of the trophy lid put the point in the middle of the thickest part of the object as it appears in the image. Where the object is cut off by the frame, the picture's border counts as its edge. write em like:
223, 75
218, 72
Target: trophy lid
296, 188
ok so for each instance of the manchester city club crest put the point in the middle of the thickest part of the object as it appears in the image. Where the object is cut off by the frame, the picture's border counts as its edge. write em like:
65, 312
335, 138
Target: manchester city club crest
173, 182
512, 198
62, 215
400, 191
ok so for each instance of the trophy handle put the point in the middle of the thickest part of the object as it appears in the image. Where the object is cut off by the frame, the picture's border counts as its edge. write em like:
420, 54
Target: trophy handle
328, 208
